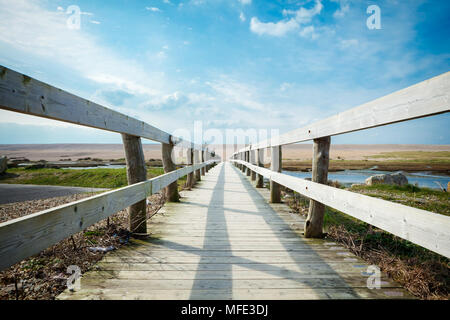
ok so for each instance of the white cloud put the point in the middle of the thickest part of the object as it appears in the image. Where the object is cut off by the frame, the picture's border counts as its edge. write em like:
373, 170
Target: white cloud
308, 32
277, 29
244, 2
346, 43
242, 16
94, 22
280, 28
153, 9
344, 7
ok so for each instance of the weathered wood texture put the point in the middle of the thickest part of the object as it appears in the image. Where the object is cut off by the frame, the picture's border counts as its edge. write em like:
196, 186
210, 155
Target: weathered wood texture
427, 229
28, 235
20, 93
224, 241
171, 191
253, 157
260, 161
190, 161
424, 99
203, 160
136, 172
197, 160
275, 165
316, 211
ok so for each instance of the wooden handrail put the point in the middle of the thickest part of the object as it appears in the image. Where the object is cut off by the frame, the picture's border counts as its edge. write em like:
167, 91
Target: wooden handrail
25, 236
427, 229
23, 94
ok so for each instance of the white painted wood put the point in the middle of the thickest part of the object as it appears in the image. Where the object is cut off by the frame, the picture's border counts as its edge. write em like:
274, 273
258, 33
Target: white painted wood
28, 235
427, 229
424, 99
20, 93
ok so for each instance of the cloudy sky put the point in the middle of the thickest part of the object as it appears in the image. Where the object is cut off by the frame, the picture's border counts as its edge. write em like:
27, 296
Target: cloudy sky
229, 63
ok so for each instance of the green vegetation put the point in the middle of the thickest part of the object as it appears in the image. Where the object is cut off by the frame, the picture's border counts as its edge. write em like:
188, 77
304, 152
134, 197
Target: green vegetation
422, 198
93, 178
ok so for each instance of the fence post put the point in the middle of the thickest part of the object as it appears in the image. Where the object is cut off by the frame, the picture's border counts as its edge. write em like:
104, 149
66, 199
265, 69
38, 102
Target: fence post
136, 172
253, 161
247, 156
206, 159
196, 161
243, 156
314, 222
203, 160
275, 165
190, 162
172, 189
259, 161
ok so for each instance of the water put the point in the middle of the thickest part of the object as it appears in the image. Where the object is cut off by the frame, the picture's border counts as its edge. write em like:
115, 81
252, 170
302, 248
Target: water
107, 166
348, 177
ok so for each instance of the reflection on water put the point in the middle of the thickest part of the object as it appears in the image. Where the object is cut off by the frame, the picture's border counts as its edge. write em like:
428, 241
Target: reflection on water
348, 177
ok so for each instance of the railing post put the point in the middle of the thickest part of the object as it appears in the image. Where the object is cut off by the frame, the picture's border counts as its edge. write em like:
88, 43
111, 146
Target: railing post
260, 161
203, 160
206, 159
253, 161
172, 189
190, 162
243, 156
196, 161
247, 159
275, 165
314, 222
136, 172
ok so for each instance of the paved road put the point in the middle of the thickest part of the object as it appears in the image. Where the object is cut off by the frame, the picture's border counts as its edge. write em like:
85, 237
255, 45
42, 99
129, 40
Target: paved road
23, 192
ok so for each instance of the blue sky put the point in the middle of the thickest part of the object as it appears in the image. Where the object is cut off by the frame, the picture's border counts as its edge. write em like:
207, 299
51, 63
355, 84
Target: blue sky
231, 64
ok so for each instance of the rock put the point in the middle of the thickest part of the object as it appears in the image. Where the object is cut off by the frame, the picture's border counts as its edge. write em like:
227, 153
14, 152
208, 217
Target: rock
392, 179
3, 164
399, 179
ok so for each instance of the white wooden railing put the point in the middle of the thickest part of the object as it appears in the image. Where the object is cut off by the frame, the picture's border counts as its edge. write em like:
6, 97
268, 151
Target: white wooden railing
28, 235
427, 229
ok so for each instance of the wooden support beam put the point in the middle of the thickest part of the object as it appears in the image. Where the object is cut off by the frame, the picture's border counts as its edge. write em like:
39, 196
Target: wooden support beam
190, 161
275, 165
253, 157
136, 172
259, 163
244, 158
203, 160
206, 159
321, 158
171, 191
247, 159
197, 161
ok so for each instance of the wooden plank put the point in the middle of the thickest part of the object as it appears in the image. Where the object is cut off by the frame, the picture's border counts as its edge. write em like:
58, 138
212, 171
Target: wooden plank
316, 211
23, 94
424, 99
427, 229
28, 235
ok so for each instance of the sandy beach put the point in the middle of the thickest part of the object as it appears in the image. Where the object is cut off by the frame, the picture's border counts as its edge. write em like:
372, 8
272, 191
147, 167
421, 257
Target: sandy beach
56, 152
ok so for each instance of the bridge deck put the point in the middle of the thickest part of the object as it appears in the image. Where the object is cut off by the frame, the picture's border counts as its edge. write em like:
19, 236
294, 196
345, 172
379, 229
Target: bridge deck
225, 241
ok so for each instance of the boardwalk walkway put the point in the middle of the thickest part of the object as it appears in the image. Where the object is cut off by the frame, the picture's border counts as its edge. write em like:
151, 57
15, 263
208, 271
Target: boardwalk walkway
224, 241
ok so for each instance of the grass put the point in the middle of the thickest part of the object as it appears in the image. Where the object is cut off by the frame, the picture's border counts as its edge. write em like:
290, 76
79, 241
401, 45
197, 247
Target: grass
92, 178
416, 155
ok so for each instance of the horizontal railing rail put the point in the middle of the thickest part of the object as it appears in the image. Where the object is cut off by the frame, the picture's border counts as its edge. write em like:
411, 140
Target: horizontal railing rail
424, 99
25, 236
427, 229
23, 94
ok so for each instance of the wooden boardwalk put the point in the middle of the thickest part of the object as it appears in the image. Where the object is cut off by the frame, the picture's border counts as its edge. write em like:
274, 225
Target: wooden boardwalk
225, 241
